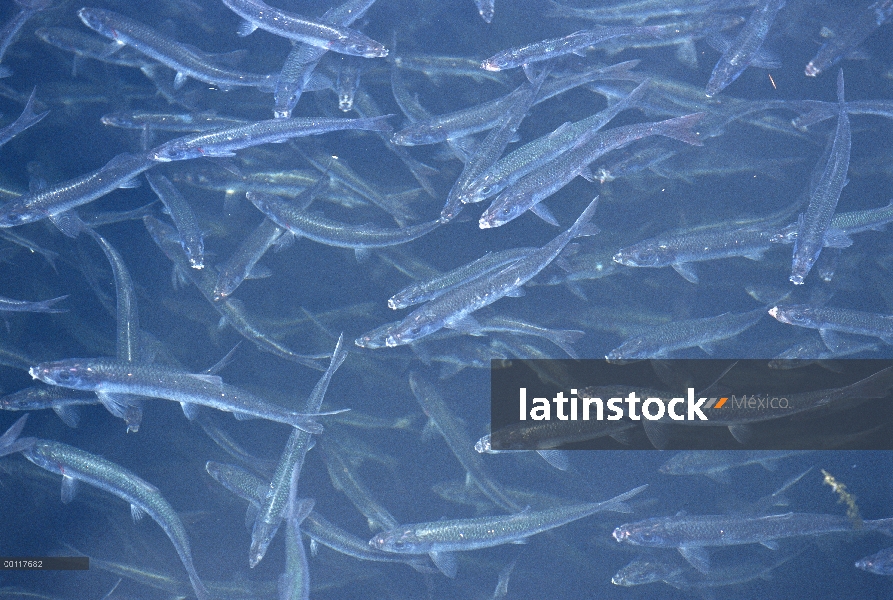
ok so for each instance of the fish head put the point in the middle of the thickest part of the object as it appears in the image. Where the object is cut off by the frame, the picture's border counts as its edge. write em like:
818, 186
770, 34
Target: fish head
401, 540
73, 374
17, 213
500, 214
802, 316
97, 20
644, 533
414, 327
639, 572
173, 151
364, 47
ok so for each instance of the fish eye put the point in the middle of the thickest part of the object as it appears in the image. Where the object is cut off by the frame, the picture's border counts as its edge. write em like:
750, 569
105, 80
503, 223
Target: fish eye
63, 375
486, 189
361, 48
506, 211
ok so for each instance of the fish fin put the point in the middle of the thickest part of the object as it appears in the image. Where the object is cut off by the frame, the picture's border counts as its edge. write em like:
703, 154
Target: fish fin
708, 347
769, 465
446, 562
301, 509
658, 434
190, 410
625, 437
771, 544
111, 49
556, 458
35, 184
246, 28
742, 433
230, 59
207, 378
543, 212
69, 489
719, 477
304, 423
69, 415
687, 55
687, 271
696, 557
887, 340
180, 80
131, 183
136, 512
518, 292
521, 541
314, 548
362, 254
587, 174
285, 241
241, 416
755, 255
837, 238
429, 431
68, 223
259, 272
467, 325
250, 516
222, 363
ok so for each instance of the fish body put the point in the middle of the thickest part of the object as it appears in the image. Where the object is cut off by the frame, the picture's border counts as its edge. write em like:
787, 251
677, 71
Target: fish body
327, 36
185, 60
144, 498
155, 381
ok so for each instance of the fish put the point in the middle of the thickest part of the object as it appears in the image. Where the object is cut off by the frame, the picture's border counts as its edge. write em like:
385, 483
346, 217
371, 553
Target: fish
107, 376
296, 73
743, 50
10, 442
444, 537
692, 534
76, 465
553, 48
851, 33
432, 288
454, 308
660, 340
518, 163
231, 311
225, 142
829, 319
182, 215
323, 230
272, 509
28, 118
716, 464
458, 440
551, 176
55, 200
184, 60
824, 195
879, 563
259, 15
42, 306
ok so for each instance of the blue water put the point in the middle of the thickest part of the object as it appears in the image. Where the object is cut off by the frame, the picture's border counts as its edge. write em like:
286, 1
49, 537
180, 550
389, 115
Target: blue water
348, 296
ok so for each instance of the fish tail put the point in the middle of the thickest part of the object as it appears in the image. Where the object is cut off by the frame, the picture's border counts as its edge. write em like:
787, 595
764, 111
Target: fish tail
618, 503
681, 128
884, 526
565, 338
46, 305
